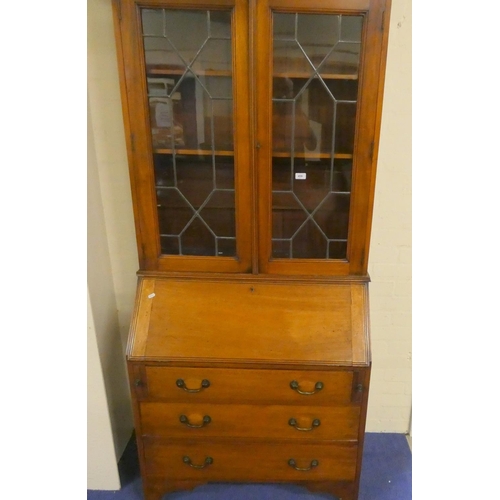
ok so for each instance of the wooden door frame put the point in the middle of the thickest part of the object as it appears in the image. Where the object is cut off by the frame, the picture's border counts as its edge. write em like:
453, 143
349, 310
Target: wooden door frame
372, 72
140, 150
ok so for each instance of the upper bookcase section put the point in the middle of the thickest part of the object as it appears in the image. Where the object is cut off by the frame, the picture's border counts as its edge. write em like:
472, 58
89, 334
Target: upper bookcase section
252, 132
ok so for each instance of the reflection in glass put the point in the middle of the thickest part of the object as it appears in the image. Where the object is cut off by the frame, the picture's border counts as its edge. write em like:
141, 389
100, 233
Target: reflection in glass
314, 95
190, 91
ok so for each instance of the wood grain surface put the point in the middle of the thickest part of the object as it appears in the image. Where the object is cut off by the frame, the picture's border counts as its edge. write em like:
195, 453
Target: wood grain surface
276, 322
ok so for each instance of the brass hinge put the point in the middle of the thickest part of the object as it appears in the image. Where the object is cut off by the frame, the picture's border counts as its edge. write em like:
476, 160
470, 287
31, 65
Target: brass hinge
132, 142
383, 21
372, 149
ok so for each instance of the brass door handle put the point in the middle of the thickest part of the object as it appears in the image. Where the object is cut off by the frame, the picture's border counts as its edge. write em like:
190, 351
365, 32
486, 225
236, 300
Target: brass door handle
182, 385
184, 420
208, 461
315, 423
292, 463
295, 386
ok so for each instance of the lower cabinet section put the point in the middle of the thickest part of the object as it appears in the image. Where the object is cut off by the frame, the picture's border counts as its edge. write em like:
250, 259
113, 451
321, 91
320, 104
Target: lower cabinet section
245, 461
201, 425
273, 392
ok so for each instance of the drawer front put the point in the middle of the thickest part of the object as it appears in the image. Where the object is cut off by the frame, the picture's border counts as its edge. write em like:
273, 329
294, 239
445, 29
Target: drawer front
187, 420
245, 386
240, 461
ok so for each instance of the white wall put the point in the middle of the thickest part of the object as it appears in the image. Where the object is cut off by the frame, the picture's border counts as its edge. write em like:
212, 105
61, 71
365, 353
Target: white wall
111, 154
109, 418
390, 253
102, 469
390, 258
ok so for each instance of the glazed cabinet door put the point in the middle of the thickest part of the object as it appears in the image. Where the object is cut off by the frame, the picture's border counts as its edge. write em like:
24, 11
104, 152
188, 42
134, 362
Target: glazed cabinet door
185, 89
319, 68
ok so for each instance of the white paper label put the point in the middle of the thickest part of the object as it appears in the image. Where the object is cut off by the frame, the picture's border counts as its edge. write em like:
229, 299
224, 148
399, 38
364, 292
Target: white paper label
300, 175
163, 115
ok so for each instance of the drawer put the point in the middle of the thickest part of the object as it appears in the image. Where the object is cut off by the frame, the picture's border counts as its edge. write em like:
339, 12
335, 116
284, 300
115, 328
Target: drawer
187, 420
242, 461
180, 384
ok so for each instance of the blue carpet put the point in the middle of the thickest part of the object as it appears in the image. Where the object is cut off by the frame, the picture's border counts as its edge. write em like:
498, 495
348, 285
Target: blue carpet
386, 475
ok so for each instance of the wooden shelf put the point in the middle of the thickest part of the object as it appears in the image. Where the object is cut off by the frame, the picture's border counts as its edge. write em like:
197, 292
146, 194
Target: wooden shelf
275, 154
155, 71
313, 156
158, 70
192, 152
325, 76
279, 208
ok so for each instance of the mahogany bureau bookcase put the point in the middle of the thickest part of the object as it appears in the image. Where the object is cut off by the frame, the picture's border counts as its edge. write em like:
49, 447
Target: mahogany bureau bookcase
252, 134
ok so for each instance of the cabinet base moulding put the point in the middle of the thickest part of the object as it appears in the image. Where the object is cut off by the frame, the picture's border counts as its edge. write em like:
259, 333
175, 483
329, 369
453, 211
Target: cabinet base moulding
155, 488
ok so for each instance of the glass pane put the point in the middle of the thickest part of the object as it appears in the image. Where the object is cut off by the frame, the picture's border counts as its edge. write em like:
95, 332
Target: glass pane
194, 196
288, 215
197, 239
315, 93
334, 228
218, 213
220, 122
218, 87
190, 92
194, 180
180, 22
317, 35
215, 57
343, 60
220, 24
226, 247
284, 26
290, 60
309, 243
174, 211
161, 54
152, 22
351, 28
311, 182
282, 248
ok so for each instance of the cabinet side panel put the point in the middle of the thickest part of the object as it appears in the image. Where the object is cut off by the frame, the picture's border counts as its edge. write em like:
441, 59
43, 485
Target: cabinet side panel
139, 328
117, 20
364, 379
360, 325
367, 136
386, 14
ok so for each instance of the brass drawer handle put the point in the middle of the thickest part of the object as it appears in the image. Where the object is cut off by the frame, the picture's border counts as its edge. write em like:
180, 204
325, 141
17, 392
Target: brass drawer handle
184, 420
315, 423
208, 461
292, 463
204, 384
295, 386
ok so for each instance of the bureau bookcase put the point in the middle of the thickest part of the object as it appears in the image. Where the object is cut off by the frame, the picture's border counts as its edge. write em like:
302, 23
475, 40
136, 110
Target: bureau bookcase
252, 133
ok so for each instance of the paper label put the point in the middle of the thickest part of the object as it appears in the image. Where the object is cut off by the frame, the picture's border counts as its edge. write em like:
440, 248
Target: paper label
300, 175
163, 115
